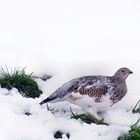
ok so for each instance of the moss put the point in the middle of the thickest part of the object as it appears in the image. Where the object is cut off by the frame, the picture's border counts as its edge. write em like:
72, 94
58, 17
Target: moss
20, 80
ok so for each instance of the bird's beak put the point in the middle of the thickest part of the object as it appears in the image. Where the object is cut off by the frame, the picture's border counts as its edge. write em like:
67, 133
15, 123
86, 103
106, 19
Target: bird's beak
130, 72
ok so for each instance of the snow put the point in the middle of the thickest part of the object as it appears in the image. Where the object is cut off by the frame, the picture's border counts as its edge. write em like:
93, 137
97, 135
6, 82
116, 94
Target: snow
67, 39
42, 124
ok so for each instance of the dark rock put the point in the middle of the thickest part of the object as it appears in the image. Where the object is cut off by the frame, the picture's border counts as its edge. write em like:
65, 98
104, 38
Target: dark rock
58, 135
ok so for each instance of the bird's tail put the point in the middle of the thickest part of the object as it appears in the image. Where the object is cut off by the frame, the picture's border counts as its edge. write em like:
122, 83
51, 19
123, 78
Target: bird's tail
47, 100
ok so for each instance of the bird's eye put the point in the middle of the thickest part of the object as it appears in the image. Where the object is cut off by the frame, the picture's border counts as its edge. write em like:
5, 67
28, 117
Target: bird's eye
122, 70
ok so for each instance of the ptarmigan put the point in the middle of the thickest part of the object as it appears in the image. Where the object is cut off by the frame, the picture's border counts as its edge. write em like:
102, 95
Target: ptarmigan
94, 93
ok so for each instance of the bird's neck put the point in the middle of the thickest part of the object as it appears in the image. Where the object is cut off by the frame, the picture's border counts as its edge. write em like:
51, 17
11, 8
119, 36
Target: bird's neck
118, 76
119, 79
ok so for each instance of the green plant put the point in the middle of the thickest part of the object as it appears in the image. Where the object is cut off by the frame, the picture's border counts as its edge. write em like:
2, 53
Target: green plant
133, 134
19, 79
87, 118
52, 109
136, 108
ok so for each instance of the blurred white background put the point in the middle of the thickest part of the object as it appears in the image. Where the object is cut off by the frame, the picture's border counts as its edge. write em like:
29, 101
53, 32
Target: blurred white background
71, 38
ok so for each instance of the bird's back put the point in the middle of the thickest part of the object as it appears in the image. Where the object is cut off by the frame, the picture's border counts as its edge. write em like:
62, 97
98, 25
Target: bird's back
82, 85
93, 91
90, 91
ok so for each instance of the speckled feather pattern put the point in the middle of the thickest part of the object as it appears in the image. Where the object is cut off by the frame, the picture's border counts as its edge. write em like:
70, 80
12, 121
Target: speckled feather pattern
93, 91
92, 86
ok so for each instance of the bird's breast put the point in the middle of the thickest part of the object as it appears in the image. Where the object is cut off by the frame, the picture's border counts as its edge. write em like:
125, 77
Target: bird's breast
86, 101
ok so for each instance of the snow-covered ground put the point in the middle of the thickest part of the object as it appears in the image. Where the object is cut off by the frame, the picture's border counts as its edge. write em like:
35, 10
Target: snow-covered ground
67, 39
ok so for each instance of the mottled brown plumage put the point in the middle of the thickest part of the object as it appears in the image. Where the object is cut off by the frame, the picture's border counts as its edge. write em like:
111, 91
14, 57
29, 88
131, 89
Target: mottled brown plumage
98, 92
95, 92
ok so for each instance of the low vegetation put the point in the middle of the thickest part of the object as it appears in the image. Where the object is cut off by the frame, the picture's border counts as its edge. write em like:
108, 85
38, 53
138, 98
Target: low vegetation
133, 134
136, 108
88, 118
16, 78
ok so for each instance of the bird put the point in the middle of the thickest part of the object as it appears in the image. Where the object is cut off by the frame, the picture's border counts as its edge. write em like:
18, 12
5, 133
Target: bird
93, 93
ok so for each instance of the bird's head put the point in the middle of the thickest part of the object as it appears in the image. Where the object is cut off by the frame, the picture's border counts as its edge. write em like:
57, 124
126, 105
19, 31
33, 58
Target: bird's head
123, 73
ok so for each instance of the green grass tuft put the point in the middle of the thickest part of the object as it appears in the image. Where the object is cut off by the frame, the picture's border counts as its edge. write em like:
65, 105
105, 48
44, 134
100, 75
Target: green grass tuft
19, 79
87, 118
133, 134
